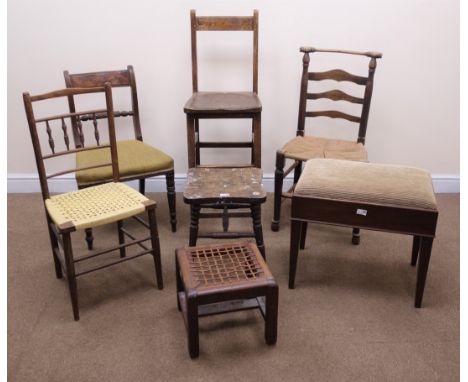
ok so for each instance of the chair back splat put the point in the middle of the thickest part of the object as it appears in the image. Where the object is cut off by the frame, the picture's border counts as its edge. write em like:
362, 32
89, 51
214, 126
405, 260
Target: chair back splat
336, 95
59, 122
223, 23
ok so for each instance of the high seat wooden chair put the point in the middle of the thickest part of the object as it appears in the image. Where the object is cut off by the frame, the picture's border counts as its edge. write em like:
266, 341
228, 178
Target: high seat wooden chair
93, 206
303, 147
224, 187
137, 160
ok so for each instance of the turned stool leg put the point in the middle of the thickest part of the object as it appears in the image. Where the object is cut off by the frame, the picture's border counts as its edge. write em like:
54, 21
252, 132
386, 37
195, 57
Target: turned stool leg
256, 210
271, 316
192, 325
279, 174
356, 239
423, 265
294, 250
194, 218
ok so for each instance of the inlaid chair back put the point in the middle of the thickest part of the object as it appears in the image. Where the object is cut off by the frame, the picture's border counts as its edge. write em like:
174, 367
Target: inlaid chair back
60, 123
336, 95
116, 78
224, 23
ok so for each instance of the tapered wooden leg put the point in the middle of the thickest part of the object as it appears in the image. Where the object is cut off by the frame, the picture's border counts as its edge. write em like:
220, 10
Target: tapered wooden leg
192, 326
153, 226
179, 284
271, 316
294, 250
171, 199
297, 172
423, 265
194, 218
121, 238
71, 278
141, 184
256, 210
279, 175
89, 238
303, 234
356, 239
415, 250
55, 249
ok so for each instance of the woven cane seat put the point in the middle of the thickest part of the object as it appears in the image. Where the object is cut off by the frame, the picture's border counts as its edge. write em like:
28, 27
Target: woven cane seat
217, 266
305, 148
380, 184
95, 206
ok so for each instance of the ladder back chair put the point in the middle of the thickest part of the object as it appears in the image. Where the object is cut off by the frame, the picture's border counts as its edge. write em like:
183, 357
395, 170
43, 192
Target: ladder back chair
223, 187
211, 104
137, 160
94, 206
303, 147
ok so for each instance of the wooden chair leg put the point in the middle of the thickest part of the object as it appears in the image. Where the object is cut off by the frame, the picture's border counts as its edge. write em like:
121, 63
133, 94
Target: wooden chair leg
121, 238
256, 210
55, 249
279, 175
423, 265
171, 199
179, 284
153, 226
356, 239
141, 185
271, 316
192, 326
297, 172
194, 218
415, 250
197, 142
70, 269
303, 235
89, 238
257, 140
294, 250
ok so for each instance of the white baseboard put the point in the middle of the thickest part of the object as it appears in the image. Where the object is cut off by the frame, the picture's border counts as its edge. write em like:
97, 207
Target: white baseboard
24, 183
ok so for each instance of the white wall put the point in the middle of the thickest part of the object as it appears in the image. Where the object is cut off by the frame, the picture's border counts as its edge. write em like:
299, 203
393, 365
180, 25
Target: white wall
414, 117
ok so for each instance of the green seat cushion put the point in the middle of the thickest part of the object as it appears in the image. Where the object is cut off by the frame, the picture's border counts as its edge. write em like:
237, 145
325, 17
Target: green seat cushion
135, 158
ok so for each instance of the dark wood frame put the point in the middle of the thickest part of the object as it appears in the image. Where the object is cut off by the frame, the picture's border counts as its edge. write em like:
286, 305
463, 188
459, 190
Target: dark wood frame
194, 302
120, 78
60, 235
419, 223
224, 23
336, 95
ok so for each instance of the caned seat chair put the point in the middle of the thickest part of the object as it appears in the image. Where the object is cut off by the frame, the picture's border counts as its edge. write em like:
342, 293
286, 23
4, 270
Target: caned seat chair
92, 206
137, 159
224, 187
303, 147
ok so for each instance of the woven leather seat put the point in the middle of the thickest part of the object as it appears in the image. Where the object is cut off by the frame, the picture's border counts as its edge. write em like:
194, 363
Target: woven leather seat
95, 206
136, 158
309, 147
380, 184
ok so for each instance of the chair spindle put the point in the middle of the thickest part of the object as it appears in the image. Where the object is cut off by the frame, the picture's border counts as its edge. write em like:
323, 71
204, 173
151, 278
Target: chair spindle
51, 140
65, 134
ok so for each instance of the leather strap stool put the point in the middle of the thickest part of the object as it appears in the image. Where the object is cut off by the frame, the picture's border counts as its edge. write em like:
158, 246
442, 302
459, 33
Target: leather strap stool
221, 278
365, 195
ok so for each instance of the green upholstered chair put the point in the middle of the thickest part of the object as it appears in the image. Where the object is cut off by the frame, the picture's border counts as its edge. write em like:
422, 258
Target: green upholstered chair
137, 160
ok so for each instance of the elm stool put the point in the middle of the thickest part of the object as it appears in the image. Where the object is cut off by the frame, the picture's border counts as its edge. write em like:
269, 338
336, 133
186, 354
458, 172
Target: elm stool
221, 278
365, 195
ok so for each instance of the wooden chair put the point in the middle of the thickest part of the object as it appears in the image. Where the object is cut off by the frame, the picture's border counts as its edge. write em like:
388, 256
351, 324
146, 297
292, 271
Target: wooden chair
93, 206
303, 147
224, 187
209, 105
137, 160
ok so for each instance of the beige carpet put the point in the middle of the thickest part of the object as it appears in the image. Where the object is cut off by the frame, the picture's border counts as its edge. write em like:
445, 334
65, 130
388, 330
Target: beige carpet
350, 318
